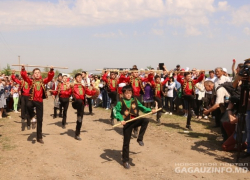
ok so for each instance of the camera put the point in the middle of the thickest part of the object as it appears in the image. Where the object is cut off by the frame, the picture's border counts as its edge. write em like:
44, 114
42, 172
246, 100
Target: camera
245, 71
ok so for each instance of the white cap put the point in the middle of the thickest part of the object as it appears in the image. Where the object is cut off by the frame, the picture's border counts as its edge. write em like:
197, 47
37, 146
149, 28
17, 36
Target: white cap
224, 69
187, 69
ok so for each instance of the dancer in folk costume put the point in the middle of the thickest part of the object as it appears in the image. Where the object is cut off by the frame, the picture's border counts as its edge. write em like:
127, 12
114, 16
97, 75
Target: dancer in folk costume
111, 82
158, 89
63, 91
122, 81
79, 91
138, 90
37, 94
188, 92
25, 95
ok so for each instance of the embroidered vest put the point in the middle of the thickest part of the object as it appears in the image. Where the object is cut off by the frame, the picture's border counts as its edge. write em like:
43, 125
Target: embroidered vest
157, 88
186, 84
113, 85
32, 90
132, 79
132, 111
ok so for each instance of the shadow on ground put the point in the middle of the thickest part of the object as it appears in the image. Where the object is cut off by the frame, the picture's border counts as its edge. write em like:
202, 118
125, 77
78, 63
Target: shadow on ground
116, 155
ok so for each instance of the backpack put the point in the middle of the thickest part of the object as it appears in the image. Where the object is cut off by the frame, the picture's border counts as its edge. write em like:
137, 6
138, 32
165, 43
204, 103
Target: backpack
235, 93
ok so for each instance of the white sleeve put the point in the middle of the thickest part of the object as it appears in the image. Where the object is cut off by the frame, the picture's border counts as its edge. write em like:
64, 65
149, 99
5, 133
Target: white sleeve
220, 94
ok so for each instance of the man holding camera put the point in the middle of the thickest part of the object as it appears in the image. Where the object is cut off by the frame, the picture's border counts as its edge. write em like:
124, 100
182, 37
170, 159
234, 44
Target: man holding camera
221, 93
237, 82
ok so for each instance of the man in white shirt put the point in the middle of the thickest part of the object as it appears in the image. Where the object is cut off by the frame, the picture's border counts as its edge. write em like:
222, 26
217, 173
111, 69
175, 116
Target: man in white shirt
209, 94
221, 93
220, 77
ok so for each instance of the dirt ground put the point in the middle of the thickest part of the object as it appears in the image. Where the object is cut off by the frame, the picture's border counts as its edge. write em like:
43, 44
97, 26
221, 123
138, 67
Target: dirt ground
98, 155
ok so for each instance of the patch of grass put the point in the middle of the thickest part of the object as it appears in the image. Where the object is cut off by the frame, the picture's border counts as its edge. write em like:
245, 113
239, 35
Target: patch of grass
6, 144
202, 128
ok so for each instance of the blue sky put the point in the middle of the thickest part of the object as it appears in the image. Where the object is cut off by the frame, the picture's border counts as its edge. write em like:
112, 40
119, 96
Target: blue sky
94, 34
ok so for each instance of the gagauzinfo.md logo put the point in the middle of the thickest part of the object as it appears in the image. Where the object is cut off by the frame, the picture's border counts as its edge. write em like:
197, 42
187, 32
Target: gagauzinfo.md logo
211, 167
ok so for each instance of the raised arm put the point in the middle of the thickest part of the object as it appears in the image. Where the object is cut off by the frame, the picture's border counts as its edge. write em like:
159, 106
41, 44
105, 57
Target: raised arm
201, 77
104, 77
233, 66
13, 77
25, 76
165, 81
50, 76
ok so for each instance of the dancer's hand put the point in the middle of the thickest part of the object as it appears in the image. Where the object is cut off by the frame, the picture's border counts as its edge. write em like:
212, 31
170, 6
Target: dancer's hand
153, 111
22, 67
123, 122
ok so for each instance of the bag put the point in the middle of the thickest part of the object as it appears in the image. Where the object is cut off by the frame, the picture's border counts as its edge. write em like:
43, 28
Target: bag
225, 117
230, 89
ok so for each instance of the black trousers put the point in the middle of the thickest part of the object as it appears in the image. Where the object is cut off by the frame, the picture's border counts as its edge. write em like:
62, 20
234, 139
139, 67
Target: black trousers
113, 97
127, 131
24, 102
39, 115
89, 100
190, 102
64, 102
104, 98
208, 100
169, 107
198, 107
80, 112
159, 102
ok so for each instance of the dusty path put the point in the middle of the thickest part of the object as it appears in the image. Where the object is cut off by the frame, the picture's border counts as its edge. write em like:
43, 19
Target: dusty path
98, 155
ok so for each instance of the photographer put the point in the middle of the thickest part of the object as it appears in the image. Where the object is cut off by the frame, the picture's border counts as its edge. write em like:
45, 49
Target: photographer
243, 75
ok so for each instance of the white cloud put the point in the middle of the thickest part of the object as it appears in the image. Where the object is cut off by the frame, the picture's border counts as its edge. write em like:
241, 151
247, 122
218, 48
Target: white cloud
192, 31
109, 34
241, 15
223, 6
158, 32
247, 31
27, 15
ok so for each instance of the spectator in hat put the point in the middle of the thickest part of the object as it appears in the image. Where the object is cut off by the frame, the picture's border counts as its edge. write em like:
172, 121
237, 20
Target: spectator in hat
226, 74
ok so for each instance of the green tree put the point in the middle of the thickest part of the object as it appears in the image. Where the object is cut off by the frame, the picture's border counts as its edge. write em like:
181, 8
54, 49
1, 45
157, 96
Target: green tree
46, 69
7, 70
76, 71
149, 67
56, 73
